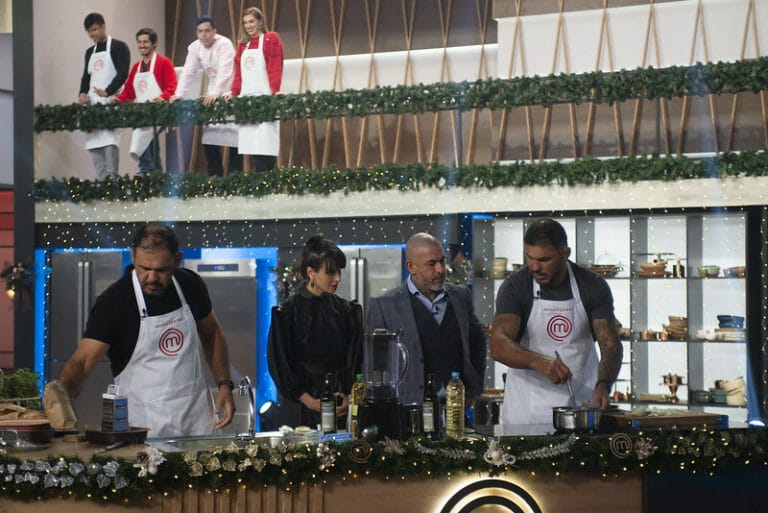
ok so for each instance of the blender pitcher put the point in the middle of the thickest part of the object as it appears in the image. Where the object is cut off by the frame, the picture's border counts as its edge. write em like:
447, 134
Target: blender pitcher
385, 362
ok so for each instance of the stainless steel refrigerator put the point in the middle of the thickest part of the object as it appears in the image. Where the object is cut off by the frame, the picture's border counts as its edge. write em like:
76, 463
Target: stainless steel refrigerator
232, 287
77, 279
371, 271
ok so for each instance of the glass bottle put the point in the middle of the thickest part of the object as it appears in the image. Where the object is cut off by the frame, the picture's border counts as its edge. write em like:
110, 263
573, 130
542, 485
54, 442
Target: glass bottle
454, 408
328, 406
430, 410
356, 397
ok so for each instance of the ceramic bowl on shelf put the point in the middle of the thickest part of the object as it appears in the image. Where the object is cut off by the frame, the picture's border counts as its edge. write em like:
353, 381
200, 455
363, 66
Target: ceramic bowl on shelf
735, 272
731, 321
718, 395
709, 271
499, 269
701, 396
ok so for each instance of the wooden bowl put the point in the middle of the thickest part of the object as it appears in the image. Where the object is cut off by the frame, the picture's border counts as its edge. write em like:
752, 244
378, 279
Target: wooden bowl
654, 266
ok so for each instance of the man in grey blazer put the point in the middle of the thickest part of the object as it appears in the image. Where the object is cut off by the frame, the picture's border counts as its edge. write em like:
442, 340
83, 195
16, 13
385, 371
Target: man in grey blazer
440, 328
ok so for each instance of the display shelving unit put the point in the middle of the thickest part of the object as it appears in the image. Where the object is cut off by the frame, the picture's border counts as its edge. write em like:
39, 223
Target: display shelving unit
693, 239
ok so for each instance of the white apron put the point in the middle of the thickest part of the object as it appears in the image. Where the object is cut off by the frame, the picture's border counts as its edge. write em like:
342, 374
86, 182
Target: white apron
164, 379
146, 87
224, 134
102, 71
261, 138
561, 326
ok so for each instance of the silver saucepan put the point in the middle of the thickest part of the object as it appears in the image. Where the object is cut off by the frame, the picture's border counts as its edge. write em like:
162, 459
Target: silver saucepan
579, 418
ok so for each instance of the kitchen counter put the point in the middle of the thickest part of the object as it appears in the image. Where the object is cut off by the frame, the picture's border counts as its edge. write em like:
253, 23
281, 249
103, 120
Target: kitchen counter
83, 450
443, 477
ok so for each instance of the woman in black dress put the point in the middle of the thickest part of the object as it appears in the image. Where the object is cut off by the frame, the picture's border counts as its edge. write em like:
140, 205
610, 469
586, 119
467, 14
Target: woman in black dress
313, 333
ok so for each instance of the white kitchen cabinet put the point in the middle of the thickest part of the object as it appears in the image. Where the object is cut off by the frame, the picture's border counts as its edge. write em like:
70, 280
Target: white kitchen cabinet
645, 303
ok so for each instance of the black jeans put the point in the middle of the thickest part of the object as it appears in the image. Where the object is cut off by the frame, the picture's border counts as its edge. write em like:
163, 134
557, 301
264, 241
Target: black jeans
150, 159
214, 159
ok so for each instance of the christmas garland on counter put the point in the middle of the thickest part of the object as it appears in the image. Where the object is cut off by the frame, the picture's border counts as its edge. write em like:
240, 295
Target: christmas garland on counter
153, 474
494, 94
403, 177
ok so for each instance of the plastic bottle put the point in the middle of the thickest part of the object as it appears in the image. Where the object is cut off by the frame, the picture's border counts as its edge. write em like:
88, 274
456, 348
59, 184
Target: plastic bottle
356, 397
328, 406
454, 407
430, 410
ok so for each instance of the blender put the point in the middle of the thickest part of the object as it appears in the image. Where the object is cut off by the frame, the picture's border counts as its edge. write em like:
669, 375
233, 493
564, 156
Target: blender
385, 361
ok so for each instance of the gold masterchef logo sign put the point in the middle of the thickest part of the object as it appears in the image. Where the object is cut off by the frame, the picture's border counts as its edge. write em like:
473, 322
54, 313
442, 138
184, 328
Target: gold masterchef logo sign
491, 495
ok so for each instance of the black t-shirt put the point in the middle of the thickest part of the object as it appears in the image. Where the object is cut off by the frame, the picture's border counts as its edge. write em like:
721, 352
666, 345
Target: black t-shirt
121, 58
515, 295
114, 318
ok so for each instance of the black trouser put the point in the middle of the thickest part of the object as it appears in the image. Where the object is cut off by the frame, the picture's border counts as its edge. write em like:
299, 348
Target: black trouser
263, 162
214, 159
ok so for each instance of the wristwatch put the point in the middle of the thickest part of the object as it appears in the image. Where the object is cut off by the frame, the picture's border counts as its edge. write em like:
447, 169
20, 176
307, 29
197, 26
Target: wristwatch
227, 382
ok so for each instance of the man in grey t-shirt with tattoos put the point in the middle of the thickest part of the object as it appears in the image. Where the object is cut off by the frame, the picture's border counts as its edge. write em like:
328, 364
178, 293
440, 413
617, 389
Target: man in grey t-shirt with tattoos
553, 306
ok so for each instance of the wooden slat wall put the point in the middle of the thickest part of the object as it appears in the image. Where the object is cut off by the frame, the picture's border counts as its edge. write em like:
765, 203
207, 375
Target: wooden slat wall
335, 28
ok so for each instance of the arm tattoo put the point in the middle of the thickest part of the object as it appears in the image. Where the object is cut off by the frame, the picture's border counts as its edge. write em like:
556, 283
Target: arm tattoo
611, 350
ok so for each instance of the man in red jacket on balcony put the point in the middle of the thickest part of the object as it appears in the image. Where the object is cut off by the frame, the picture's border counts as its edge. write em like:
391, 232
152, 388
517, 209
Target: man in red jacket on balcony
152, 79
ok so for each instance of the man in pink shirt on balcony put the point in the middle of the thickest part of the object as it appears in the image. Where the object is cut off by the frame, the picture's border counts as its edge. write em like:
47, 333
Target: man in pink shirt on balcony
215, 55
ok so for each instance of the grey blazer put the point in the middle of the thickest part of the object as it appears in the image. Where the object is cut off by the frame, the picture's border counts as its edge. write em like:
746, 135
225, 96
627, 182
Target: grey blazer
394, 311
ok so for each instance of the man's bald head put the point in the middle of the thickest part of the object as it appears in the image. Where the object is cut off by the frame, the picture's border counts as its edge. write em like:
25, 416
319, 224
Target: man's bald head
425, 260
419, 240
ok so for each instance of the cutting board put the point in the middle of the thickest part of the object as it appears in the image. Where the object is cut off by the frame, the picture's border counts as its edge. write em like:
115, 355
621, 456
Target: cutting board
622, 420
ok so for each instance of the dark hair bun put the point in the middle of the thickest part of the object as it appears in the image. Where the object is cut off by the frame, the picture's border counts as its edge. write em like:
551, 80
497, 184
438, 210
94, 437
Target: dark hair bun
315, 241
318, 251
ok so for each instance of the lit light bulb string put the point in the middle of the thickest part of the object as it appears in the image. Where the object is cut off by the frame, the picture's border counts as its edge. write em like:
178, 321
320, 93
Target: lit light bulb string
764, 295
293, 466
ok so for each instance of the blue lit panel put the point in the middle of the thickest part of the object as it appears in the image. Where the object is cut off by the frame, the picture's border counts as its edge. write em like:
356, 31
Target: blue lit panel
41, 288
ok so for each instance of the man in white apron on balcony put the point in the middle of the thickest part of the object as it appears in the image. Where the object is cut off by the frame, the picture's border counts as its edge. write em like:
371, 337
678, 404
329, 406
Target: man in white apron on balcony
214, 55
549, 306
106, 68
152, 79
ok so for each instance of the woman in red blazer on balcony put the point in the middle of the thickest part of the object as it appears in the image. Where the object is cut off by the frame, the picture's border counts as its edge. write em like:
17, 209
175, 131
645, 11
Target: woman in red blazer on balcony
258, 71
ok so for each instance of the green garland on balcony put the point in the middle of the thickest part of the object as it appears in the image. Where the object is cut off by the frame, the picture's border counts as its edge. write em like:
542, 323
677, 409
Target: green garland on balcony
152, 474
403, 177
494, 94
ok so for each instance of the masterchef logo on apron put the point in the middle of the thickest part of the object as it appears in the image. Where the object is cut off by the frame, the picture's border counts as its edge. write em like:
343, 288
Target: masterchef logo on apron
259, 138
553, 325
559, 328
142, 85
102, 71
171, 342
168, 407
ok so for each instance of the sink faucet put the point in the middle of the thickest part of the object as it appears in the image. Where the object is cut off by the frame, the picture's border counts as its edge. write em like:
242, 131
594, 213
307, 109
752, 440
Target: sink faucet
246, 390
